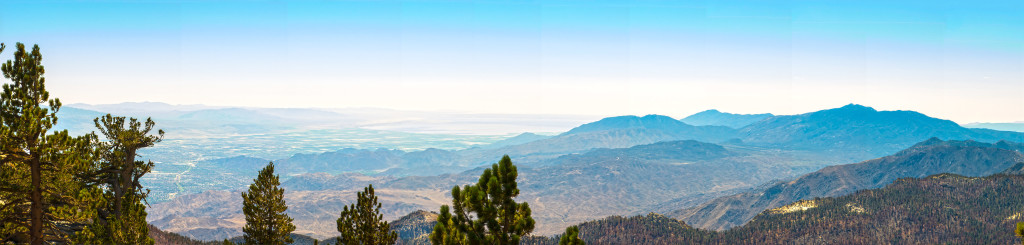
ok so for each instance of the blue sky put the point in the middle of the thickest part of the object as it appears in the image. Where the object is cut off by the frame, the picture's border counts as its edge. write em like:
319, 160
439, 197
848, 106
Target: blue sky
960, 60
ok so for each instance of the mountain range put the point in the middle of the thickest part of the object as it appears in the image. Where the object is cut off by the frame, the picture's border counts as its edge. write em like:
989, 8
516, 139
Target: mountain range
615, 166
985, 207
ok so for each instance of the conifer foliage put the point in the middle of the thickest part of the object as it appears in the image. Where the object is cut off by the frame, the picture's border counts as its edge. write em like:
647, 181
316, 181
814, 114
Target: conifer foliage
264, 209
362, 224
571, 236
485, 213
40, 189
121, 218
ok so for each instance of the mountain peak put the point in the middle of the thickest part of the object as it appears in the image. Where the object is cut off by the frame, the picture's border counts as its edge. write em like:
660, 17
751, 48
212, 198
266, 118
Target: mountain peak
651, 121
856, 107
714, 117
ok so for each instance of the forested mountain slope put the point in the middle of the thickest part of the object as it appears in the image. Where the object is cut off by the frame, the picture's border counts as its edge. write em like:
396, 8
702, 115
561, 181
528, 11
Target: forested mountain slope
939, 209
930, 157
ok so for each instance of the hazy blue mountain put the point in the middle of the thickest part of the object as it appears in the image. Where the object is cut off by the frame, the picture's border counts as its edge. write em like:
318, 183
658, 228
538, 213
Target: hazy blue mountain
616, 132
230, 116
187, 121
154, 108
860, 131
660, 123
930, 157
1012, 126
716, 118
611, 132
676, 152
516, 140
77, 121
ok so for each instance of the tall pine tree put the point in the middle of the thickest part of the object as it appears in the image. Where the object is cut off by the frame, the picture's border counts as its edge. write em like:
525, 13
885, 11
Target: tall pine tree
264, 209
122, 217
485, 213
362, 224
40, 185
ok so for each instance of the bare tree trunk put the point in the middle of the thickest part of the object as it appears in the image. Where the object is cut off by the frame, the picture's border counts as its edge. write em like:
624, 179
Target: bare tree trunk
36, 210
126, 183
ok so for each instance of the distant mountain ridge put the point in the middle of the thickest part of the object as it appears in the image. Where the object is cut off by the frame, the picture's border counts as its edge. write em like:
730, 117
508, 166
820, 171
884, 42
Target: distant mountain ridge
930, 157
716, 118
617, 166
1010, 126
661, 123
861, 130
854, 132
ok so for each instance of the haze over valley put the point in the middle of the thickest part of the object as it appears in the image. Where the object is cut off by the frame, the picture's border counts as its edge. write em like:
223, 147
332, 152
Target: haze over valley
622, 165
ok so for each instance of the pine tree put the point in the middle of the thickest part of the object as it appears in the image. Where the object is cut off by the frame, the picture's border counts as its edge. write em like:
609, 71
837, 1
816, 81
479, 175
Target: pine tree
446, 231
485, 213
362, 223
40, 186
264, 209
123, 219
571, 237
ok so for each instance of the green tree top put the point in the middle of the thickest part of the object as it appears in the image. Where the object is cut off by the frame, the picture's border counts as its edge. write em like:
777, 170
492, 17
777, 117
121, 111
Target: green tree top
571, 237
263, 205
120, 171
485, 213
121, 218
39, 169
362, 223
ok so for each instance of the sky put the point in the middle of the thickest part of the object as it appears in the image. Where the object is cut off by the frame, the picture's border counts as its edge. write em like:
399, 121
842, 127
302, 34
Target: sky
958, 60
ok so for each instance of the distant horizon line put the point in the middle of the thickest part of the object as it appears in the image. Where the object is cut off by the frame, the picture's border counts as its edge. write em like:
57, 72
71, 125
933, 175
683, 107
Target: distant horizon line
484, 113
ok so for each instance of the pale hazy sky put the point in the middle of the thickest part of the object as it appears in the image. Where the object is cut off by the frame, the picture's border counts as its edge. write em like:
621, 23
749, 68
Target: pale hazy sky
959, 60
